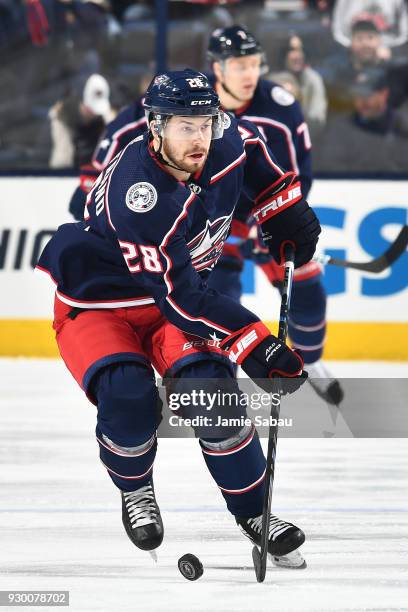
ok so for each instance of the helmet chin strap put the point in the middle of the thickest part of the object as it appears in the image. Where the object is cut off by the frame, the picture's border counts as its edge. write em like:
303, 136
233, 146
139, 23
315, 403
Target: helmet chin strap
229, 92
159, 156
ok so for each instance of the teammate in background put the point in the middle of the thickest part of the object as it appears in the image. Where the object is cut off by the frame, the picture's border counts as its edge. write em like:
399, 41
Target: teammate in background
131, 295
237, 60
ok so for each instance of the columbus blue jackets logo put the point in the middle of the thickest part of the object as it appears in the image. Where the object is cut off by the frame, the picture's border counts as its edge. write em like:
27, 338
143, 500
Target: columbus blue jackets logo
206, 247
141, 197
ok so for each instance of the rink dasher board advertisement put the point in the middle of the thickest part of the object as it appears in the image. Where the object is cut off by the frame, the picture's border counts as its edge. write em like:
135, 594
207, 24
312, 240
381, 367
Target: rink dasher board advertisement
359, 219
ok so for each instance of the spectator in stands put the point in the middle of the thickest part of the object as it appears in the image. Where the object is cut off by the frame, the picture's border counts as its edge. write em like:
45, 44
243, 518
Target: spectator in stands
391, 17
323, 8
372, 138
309, 83
78, 123
340, 69
373, 110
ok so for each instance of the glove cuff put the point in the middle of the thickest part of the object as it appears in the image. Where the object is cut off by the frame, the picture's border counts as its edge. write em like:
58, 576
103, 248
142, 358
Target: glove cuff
242, 342
277, 198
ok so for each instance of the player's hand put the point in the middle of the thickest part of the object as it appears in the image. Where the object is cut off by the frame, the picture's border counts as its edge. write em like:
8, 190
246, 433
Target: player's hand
285, 216
263, 356
254, 247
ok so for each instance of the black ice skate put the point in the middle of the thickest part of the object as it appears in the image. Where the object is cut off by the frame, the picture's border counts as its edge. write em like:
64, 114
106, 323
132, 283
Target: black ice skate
141, 518
283, 538
326, 387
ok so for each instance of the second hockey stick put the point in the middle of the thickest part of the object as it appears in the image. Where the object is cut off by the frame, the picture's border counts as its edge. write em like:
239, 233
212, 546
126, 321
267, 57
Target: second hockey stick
377, 265
260, 556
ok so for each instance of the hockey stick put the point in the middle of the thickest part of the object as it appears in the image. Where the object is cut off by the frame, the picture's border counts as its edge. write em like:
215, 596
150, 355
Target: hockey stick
377, 265
260, 557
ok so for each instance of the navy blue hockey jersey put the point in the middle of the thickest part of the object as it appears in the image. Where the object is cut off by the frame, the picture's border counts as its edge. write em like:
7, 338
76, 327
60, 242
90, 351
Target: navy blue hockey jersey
279, 118
148, 238
126, 126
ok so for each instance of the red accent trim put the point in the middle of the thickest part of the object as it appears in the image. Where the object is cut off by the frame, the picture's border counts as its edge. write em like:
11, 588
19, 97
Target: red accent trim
110, 154
222, 173
257, 140
242, 109
231, 250
259, 332
282, 249
275, 211
116, 452
139, 297
285, 374
128, 477
232, 450
280, 180
46, 272
286, 131
86, 182
246, 489
240, 229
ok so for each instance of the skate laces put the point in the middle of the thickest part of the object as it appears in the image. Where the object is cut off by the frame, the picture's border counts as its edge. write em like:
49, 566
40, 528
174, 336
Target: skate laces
276, 525
141, 506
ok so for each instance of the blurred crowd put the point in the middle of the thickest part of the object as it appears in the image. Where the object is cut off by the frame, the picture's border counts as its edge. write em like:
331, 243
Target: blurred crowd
68, 66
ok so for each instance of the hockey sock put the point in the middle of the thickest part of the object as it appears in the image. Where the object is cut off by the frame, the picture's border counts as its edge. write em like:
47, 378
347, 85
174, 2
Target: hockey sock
237, 465
307, 319
127, 422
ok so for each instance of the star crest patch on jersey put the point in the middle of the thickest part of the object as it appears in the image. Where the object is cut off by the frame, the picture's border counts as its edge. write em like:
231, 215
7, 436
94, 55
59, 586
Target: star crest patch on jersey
141, 197
282, 96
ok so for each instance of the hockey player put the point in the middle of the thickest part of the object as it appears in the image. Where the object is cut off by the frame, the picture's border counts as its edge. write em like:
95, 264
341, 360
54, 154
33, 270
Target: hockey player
131, 294
237, 59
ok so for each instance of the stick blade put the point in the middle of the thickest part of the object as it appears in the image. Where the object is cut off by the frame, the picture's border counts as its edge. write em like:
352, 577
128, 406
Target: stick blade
259, 567
384, 261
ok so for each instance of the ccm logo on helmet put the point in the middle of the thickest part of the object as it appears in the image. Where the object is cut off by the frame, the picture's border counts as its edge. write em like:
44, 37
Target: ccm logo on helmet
285, 199
200, 102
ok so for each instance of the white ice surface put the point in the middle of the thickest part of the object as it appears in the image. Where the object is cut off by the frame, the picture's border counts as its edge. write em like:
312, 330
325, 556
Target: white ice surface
60, 516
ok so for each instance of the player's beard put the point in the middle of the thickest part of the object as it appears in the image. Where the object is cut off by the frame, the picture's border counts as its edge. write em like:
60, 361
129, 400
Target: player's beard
180, 161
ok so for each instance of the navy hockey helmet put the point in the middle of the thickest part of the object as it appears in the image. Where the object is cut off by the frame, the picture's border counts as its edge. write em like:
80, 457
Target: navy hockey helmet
183, 92
234, 41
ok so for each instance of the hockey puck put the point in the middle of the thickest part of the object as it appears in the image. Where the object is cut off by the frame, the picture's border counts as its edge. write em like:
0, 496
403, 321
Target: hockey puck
190, 566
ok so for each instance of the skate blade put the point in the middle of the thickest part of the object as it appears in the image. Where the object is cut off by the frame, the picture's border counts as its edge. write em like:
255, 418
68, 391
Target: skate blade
293, 560
153, 555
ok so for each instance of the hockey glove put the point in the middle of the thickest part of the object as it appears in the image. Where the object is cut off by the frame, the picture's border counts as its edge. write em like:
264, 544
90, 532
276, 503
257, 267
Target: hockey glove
254, 247
263, 356
87, 177
285, 216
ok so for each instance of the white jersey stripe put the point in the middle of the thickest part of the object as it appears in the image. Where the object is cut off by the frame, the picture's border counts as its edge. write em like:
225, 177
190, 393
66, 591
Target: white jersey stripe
288, 135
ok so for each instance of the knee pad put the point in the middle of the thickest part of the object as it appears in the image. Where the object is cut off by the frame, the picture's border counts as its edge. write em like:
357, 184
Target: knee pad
128, 404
